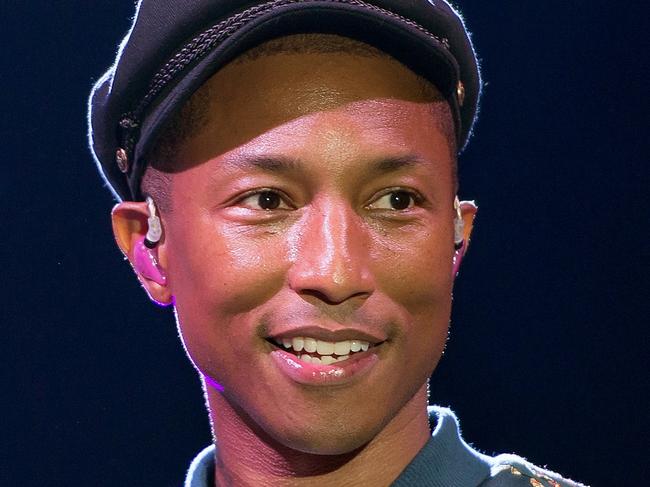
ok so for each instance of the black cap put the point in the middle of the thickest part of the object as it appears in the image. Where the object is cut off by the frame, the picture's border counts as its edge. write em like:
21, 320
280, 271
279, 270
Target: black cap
174, 46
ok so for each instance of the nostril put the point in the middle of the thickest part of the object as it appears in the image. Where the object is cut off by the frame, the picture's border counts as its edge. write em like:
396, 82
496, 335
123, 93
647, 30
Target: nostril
332, 298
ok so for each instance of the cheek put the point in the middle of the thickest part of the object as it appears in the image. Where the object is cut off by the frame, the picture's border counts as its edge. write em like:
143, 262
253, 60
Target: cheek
415, 271
417, 274
218, 276
222, 266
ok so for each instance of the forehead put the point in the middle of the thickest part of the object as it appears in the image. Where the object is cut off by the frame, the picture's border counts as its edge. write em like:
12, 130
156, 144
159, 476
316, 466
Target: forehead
294, 76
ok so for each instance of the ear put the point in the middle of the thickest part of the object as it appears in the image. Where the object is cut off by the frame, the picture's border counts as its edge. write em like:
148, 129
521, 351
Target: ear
130, 228
468, 210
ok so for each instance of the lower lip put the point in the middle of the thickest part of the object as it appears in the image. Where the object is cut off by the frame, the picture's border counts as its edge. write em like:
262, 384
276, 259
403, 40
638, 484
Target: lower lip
339, 373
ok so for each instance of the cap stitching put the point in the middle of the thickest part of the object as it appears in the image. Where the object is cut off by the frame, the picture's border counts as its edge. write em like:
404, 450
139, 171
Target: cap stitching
198, 46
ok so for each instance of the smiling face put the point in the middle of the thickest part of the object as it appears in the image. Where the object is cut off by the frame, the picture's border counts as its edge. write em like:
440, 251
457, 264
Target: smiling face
314, 208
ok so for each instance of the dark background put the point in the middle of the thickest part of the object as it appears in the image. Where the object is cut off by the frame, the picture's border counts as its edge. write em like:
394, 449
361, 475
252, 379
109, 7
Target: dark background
549, 337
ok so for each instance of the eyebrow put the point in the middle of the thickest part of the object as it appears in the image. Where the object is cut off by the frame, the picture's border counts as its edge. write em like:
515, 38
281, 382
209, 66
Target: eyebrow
283, 164
274, 164
394, 164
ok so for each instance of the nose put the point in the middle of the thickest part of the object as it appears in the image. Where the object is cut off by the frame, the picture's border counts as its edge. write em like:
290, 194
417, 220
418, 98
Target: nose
331, 255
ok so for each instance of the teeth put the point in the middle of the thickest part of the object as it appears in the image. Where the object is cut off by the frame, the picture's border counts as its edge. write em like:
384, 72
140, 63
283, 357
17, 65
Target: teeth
310, 345
298, 344
342, 348
323, 348
327, 359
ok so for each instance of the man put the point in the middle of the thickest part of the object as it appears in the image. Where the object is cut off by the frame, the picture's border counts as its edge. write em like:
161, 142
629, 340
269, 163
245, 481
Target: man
287, 177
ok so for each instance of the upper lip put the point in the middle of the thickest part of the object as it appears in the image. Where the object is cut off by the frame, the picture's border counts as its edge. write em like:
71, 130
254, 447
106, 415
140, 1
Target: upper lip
329, 334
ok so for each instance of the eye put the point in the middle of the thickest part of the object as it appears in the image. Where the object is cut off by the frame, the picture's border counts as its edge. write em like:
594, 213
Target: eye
395, 200
264, 200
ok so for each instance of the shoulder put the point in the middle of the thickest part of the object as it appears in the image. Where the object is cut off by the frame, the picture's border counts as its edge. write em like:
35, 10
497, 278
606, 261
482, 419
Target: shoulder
505, 470
201, 471
514, 471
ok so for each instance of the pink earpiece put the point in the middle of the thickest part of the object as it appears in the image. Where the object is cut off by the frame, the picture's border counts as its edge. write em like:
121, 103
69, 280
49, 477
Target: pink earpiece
459, 238
146, 263
457, 259
145, 258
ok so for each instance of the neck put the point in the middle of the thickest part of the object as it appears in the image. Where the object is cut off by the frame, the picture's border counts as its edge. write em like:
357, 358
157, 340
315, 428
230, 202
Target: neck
248, 456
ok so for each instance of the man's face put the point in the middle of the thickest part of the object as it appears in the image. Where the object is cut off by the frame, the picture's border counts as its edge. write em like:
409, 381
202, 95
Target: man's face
316, 203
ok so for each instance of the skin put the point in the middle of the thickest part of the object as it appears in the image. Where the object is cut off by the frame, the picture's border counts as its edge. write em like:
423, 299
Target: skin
335, 252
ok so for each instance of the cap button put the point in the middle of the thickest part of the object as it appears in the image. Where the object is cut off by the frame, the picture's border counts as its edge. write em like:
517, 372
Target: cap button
460, 93
122, 159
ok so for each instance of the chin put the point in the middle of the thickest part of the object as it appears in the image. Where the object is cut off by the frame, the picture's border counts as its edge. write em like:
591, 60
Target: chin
327, 441
336, 428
